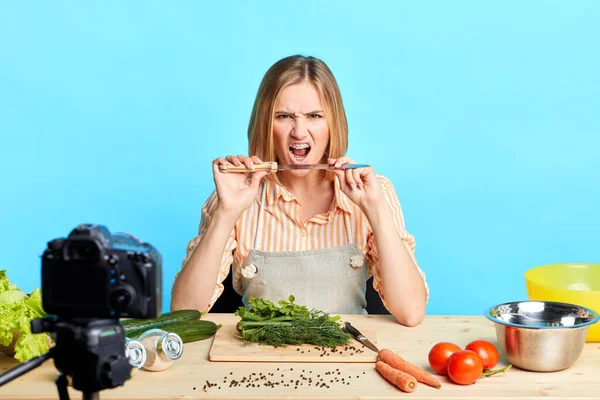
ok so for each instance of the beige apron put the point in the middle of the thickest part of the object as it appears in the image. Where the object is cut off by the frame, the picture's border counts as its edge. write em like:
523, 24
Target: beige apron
331, 280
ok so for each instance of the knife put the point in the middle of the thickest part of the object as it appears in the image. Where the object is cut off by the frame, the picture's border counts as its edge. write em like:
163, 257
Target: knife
274, 167
359, 336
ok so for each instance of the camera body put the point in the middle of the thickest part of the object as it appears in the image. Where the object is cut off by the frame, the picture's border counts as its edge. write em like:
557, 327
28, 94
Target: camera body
94, 274
90, 280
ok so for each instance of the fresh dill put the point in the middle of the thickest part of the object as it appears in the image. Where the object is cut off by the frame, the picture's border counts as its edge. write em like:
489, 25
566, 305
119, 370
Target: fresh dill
288, 323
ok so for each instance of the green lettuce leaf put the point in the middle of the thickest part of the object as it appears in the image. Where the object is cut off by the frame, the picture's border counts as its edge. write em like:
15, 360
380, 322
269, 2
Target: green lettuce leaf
12, 296
30, 346
5, 283
17, 310
34, 302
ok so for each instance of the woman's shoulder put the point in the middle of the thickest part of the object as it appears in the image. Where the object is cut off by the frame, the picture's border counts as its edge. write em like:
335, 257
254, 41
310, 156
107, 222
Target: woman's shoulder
385, 182
388, 190
212, 201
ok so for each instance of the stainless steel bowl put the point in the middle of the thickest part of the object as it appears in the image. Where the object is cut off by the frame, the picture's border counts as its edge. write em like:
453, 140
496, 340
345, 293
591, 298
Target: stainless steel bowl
541, 335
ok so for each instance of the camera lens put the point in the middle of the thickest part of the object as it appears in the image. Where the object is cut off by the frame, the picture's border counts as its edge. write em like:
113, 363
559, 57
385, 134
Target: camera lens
121, 297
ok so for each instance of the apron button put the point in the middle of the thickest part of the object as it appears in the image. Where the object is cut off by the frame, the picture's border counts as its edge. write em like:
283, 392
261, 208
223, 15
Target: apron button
357, 261
249, 271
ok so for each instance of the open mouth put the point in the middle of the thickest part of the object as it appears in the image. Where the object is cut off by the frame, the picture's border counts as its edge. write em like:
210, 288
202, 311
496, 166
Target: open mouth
299, 151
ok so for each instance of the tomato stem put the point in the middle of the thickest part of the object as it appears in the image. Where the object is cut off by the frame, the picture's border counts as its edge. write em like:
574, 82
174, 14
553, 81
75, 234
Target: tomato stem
488, 372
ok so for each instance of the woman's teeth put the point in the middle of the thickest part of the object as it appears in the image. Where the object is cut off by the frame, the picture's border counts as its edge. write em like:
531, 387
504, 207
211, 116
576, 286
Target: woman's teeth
299, 151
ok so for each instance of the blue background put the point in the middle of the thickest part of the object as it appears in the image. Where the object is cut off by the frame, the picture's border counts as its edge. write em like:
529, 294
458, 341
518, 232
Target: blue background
483, 114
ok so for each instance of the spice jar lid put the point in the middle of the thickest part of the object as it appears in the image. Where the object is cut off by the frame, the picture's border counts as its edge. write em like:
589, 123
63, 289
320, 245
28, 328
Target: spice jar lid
135, 353
171, 345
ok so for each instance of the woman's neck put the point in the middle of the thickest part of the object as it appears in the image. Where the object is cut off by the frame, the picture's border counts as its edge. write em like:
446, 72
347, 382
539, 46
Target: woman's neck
301, 186
312, 191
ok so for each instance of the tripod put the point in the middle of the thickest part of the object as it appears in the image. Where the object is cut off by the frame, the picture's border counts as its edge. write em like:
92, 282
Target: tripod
90, 352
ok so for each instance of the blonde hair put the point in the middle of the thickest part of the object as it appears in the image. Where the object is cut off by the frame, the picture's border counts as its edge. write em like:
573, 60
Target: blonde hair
289, 71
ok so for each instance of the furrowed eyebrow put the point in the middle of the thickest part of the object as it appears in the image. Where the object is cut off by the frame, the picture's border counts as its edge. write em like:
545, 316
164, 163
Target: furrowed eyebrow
315, 112
308, 113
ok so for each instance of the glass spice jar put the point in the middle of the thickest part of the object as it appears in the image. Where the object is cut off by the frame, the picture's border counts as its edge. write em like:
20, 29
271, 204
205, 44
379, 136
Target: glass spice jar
162, 349
135, 353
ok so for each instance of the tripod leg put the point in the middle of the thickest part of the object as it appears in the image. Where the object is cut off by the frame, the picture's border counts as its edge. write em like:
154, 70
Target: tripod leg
24, 367
61, 384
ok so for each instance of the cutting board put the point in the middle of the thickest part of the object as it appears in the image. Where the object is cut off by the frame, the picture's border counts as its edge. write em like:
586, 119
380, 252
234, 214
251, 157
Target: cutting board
227, 347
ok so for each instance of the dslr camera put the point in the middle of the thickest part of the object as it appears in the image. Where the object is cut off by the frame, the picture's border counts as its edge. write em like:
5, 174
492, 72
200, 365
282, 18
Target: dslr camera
89, 280
95, 274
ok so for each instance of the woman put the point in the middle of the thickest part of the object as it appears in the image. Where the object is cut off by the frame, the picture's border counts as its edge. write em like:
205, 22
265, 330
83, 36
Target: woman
316, 234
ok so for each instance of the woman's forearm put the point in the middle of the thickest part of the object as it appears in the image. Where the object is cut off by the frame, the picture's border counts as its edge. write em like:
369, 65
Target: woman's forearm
195, 284
402, 284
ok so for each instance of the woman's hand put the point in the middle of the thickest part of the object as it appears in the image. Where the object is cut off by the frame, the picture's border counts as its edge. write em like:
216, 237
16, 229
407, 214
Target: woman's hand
233, 189
359, 184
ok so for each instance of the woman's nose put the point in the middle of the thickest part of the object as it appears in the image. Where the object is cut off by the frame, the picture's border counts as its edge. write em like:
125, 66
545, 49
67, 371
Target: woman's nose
300, 129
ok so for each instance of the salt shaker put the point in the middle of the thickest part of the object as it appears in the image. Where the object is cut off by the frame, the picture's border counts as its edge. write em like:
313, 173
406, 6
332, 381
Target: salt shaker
135, 353
162, 349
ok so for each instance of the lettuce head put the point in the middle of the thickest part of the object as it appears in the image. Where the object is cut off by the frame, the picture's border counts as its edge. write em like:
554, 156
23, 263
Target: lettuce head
17, 310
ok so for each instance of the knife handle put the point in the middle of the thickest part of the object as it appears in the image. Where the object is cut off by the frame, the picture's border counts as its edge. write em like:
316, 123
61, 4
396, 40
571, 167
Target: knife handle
264, 166
352, 330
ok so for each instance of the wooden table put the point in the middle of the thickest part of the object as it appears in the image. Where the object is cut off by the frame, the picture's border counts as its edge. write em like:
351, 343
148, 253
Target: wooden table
187, 378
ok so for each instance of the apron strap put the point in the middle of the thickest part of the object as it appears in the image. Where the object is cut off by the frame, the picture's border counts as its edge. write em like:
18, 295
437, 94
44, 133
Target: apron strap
348, 230
263, 201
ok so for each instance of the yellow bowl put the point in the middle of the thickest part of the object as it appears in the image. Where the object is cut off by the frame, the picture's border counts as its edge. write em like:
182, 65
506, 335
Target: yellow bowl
576, 283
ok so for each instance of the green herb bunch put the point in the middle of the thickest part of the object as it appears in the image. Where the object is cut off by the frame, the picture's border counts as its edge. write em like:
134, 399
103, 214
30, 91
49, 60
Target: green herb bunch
288, 323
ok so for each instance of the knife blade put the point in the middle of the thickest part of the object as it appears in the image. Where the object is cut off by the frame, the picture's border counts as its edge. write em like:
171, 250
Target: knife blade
274, 167
359, 336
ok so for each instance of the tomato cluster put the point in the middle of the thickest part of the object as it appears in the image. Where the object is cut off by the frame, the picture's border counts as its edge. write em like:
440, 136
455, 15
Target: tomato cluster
464, 367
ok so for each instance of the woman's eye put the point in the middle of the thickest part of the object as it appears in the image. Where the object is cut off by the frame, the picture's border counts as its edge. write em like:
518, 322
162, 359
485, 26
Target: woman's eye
283, 116
315, 116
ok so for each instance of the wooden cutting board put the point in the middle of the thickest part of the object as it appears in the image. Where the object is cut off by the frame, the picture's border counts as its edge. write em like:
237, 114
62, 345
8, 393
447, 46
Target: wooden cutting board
227, 347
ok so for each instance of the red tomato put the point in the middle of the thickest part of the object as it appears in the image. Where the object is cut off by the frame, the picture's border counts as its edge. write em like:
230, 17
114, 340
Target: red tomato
464, 367
439, 355
486, 351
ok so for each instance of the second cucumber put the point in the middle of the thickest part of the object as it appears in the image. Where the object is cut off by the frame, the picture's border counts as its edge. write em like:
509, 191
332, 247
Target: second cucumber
189, 331
165, 318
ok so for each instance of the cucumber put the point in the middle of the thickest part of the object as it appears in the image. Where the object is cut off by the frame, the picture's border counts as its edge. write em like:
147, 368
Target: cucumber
165, 318
189, 331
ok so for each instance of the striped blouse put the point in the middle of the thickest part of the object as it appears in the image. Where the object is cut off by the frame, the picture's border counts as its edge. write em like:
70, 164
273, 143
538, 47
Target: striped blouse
283, 230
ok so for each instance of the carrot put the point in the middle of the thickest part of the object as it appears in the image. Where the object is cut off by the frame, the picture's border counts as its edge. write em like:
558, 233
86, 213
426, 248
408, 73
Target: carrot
395, 361
405, 382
